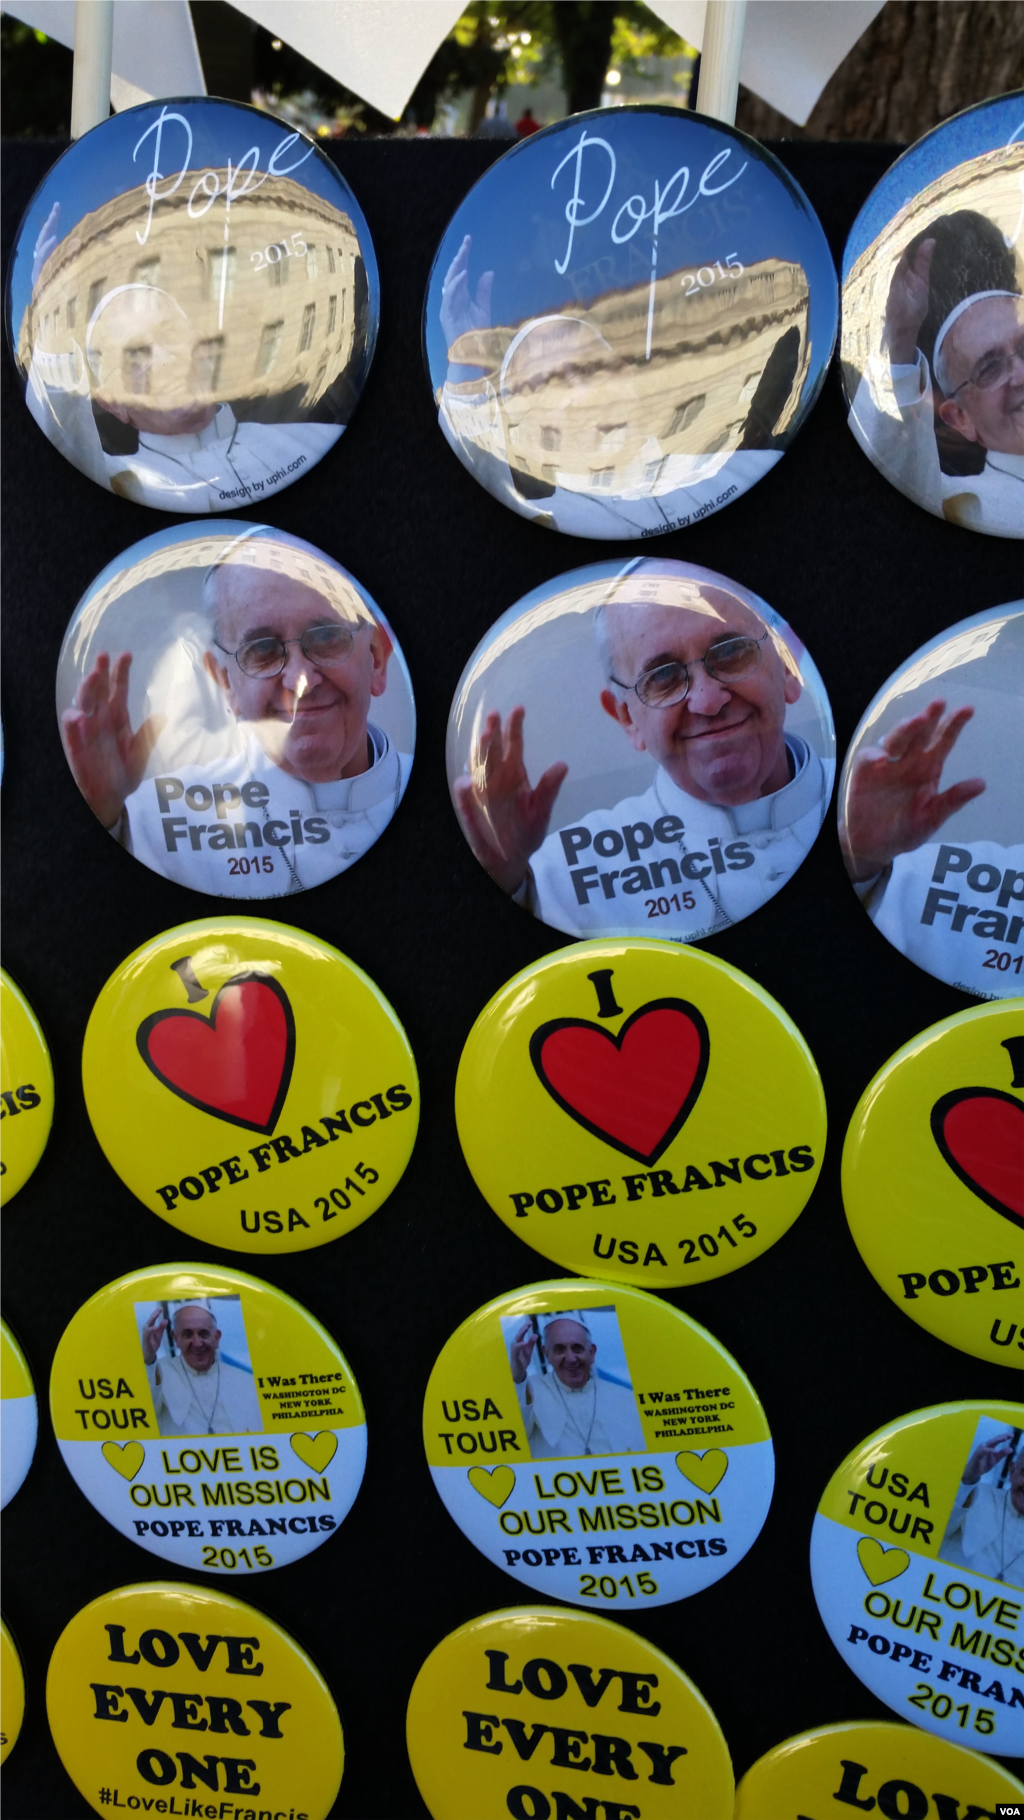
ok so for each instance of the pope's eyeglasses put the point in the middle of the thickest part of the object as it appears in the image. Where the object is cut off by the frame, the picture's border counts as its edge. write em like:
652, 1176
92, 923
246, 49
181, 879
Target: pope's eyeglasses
669, 683
993, 369
265, 657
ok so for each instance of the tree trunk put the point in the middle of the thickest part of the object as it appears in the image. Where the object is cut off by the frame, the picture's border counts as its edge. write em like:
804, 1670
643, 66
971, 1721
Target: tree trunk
583, 33
225, 40
918, 62
482, 92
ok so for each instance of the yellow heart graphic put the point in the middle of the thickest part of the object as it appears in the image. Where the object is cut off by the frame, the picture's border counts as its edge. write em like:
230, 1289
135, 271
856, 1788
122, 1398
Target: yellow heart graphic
881, 1564
496, 1483
315, 1451
125, 1457
705, 1471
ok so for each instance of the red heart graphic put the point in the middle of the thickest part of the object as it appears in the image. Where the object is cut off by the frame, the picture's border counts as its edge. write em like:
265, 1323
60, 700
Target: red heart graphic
634, 1090
980, 1132
236, 1063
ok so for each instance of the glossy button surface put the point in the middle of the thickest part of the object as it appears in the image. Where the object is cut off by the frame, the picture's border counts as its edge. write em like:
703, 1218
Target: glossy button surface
12, 1693
235, 710
917, 1557
642, 1111
540, 1441
26, 1089
931, 806
627, 321
933, 318
250, 1084
270, 1732
19, 1416
209, 1418
893, 1767
589, 1696
192, 305
933, 1180
641, 748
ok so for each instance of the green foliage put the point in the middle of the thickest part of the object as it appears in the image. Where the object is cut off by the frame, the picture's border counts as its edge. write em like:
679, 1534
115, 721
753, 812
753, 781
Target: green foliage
505, 42
36, 83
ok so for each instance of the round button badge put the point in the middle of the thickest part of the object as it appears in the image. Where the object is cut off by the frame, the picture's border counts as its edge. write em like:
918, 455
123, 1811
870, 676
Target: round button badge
933, 1180
691, 781
891, 1769
532, 1711
26, 1089
598, 1445
192, 305
931, 806
628, 319
235, 710
932, 315
209, 1418
198, 1661
640, 1111
917, 1551
19, 1416
250, 1085
12, 1693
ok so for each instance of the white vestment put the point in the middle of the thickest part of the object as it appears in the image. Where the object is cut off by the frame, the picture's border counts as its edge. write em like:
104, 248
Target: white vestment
226, 465
301, 835
893, 419
726, 861
664, 493
567, 1424
986, 1535
221, 1401
946, 925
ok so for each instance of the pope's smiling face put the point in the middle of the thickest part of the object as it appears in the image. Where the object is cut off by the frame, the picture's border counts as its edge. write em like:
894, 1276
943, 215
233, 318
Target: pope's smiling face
311, 718
569, 1351
725, 743
196, 1337
990, 330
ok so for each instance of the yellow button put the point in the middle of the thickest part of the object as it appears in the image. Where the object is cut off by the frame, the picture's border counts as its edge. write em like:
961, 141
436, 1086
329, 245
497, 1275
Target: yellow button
598, 1445
933, 1180
527, 1712
917, 1563
872, 1767
12, 1693
26, 1089
250, 1084
165, 1691
640, 1111
209, 1418
19, 1417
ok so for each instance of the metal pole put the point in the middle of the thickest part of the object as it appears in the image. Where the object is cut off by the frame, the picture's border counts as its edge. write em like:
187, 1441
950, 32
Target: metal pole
718, 85
94, 42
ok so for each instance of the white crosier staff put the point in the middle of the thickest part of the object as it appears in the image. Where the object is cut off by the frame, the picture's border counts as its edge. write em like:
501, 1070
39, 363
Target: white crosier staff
94, 46
719, 81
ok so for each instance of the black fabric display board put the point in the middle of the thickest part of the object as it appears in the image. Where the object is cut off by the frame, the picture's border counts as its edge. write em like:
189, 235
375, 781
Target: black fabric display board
865, 577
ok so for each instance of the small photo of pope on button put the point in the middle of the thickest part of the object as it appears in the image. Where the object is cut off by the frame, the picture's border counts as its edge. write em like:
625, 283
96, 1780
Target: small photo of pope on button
572, 1383
641, 749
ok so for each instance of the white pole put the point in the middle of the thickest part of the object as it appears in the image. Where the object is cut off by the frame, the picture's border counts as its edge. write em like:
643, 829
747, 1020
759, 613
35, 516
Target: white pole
719, 80
94, 41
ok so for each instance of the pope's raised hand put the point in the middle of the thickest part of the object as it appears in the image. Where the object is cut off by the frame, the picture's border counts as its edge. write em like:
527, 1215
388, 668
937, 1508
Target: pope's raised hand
460, 311
522, 1351
153, 1331
907, 303
504, 819
986, 1455
893, 801
107, 758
